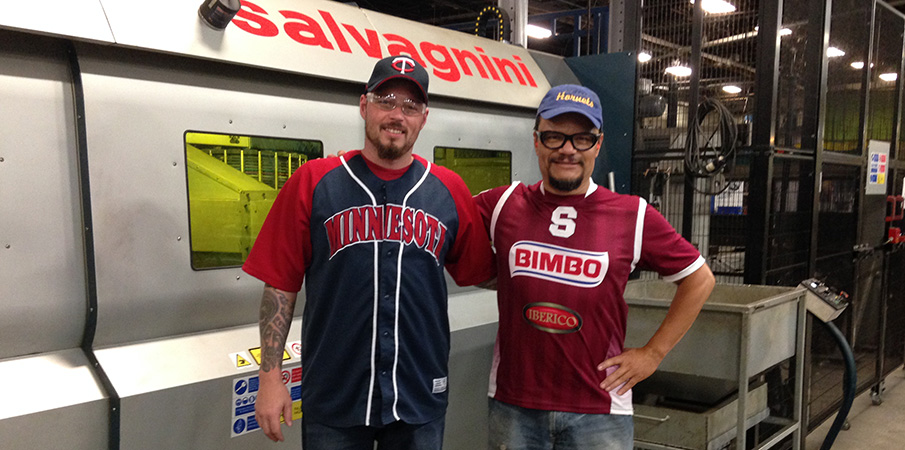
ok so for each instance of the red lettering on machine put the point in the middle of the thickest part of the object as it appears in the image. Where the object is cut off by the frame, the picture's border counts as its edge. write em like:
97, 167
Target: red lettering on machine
448, 64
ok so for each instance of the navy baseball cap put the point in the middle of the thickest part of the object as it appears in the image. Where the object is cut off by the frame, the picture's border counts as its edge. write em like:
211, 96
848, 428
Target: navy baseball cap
571, 98
401, 66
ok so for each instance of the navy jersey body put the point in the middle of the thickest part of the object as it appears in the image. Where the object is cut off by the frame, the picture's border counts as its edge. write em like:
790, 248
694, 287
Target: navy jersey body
372, 245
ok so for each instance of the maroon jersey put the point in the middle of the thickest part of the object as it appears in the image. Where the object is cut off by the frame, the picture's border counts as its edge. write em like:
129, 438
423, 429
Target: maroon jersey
563, 263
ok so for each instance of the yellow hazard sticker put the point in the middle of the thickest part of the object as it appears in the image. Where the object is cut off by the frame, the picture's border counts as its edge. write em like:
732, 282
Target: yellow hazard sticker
296, 412
256, 354
240, 359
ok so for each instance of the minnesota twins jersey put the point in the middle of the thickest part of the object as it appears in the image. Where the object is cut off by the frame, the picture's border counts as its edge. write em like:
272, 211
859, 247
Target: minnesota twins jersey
563, 263
372, 245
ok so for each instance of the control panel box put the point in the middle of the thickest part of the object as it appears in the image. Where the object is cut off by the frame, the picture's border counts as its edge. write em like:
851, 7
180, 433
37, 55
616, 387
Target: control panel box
823, 301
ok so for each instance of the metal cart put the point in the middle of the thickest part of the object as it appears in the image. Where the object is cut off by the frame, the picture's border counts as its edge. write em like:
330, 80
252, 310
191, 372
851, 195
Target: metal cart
742, 331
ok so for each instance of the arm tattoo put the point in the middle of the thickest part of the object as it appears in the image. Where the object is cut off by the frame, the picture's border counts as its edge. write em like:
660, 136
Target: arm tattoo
276, 316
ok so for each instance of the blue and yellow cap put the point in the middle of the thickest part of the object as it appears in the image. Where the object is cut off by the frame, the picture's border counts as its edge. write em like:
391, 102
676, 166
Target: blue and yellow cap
571, 98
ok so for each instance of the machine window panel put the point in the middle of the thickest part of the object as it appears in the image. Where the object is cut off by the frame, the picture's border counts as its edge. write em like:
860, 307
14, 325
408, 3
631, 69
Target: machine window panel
232, 183
480, 169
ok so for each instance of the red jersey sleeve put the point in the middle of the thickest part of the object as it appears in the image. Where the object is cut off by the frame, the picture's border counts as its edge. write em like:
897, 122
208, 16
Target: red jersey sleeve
282, 250
664, 250
470, 260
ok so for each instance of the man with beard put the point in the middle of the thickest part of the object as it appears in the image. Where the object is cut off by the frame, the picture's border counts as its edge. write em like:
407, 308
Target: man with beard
565, 247
370, 232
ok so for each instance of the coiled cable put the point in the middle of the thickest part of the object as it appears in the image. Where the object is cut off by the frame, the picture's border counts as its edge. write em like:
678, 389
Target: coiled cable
707, 160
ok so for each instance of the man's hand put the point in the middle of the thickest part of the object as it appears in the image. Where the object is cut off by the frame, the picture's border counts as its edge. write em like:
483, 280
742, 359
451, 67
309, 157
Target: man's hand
636, 364
632, 366
273, 400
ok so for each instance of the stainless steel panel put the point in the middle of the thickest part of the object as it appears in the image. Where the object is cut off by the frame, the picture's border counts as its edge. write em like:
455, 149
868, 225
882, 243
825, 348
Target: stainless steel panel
772, 314
136, 116
555, 68
52, 380
177, 392
78, 427
137, 112
83, 19
42, 274
473, 321
52, 401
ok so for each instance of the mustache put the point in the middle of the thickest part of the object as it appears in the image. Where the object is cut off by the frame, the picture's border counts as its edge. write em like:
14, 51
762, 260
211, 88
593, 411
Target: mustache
567, 159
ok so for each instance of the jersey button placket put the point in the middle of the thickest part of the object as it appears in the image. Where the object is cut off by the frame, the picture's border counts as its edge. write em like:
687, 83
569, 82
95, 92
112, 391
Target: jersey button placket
386, 323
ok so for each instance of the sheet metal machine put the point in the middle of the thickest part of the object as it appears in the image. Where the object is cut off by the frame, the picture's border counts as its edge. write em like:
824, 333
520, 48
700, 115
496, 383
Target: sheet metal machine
123, 323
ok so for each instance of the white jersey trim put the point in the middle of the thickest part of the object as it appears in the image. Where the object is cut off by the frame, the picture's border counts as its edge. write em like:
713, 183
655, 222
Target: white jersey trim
398, 285
639, 232
494, 368
591, 188
686, 271
497, 209
376, 297
621, 405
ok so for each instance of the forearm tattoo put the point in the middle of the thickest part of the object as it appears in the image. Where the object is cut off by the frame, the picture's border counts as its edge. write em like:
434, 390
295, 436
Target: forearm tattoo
276, 316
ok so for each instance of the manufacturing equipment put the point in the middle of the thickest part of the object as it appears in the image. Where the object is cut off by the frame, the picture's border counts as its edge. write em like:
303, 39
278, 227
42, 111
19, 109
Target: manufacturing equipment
141, 149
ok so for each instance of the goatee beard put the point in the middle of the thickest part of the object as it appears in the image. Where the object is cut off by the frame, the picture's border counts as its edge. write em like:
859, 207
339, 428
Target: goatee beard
565, 185
389, 152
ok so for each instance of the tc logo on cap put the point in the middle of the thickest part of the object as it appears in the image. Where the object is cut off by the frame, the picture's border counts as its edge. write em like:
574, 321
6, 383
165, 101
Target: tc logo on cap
404, 64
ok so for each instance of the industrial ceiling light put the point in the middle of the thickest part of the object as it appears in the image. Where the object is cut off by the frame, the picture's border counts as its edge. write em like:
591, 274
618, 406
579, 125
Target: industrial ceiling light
833, 52
782, 31
731, 89
678, 70
859, 65
537, 32
218, 13
716, 6
644, 57
891, 76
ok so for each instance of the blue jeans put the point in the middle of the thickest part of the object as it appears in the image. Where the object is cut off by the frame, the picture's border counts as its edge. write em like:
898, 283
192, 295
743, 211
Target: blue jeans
395, 436
516, 428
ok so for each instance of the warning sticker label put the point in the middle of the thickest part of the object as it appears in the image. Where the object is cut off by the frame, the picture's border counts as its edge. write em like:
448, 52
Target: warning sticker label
245, 393
240, 359
256, 354
295, 347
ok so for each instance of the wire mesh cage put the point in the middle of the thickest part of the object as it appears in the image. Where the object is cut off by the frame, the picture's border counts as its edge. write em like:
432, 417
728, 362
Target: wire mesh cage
682, 165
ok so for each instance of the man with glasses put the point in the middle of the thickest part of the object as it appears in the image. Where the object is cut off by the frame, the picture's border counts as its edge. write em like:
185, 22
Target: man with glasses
565, 247
370, 232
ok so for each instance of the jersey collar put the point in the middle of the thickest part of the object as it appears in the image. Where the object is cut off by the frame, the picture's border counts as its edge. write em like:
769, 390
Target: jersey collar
591, 188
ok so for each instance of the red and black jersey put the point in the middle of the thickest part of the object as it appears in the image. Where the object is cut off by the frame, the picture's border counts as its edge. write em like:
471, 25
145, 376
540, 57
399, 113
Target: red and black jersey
372, 245
563, 263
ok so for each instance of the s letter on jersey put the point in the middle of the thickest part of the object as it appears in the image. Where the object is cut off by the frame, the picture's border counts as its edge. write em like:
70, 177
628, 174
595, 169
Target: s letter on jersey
557, 264
552, 318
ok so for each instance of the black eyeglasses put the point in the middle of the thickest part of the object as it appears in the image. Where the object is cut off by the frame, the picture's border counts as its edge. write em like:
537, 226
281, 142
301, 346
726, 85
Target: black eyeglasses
389, 102
554, 140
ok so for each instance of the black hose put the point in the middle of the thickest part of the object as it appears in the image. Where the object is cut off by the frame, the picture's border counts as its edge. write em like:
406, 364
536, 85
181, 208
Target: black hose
707, 161
849, 383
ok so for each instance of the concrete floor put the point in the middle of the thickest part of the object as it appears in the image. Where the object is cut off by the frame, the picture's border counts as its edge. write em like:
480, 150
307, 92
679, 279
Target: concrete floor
873, 427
